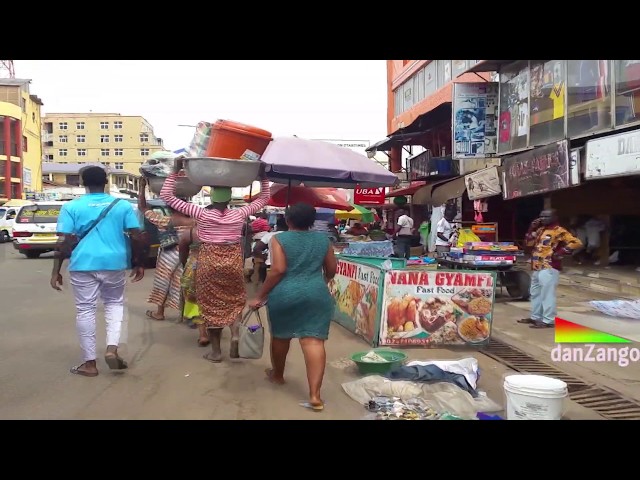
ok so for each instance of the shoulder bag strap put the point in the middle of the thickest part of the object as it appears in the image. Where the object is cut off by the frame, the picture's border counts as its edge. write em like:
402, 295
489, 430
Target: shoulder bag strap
100, 217
247, 316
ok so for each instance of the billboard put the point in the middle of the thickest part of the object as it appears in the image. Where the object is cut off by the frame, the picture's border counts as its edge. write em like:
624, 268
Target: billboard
474, 122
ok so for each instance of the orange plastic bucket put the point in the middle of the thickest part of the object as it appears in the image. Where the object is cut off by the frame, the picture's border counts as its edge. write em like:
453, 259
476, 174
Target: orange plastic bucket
237, 141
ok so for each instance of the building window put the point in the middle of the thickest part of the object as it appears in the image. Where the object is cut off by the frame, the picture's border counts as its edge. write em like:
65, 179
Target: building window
81, 139
118, 138
513, 124
117, 125
627, 91
62, 152
588, 96
82, 152
444, 72
73, 180
63, 163
81, 163
430, 81
104, 152
118, 152
63, 126
548, 88
104, 125
48, 158
458, 67
144, 137
25, 144
119, 166
79, 125
104, 138
144, 152
63, 139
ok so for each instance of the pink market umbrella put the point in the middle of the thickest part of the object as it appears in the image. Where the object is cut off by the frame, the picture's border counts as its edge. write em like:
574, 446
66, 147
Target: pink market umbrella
315, 163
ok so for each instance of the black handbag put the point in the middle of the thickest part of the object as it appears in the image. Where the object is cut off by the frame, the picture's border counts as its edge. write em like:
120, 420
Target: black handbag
71, 246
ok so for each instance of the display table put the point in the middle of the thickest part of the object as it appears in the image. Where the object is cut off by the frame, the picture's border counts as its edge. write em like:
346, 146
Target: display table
413, 307
380, 249
516, 280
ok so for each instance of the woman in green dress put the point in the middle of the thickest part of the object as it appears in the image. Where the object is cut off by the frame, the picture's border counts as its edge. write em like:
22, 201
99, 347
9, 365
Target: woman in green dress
298, 299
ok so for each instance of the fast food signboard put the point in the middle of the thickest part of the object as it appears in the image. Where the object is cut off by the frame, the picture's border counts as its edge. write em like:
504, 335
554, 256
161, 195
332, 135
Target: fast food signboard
437, 308
356, 290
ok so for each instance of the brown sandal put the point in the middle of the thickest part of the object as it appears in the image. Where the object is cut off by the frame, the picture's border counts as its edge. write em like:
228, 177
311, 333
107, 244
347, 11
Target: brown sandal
76, 371
203, 342
542, 325
153, 316
527, 321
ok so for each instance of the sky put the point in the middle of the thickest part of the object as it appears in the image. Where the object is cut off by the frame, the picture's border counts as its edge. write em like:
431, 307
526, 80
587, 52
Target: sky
318, 99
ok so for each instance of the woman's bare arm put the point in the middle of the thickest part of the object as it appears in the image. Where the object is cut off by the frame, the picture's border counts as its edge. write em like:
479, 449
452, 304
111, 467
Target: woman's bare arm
277, 270
330, 264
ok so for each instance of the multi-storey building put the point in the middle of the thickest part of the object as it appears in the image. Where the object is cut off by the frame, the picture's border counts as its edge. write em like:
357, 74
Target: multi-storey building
20, 143
120, 142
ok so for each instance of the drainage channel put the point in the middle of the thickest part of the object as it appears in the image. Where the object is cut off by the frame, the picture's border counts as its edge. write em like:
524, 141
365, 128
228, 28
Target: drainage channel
608, 403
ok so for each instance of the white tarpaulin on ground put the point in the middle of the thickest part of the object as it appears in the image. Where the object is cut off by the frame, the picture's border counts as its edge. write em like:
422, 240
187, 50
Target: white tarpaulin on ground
618, 308
442, 396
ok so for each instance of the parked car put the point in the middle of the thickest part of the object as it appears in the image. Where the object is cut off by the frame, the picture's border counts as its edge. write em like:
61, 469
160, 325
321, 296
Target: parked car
7, 219
34, 229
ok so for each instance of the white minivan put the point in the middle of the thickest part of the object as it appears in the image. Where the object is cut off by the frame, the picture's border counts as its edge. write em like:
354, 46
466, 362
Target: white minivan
34, 229
7, 219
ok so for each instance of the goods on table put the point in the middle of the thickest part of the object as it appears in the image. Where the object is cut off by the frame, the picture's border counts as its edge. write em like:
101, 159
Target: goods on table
485, 253
393, 408
422, 262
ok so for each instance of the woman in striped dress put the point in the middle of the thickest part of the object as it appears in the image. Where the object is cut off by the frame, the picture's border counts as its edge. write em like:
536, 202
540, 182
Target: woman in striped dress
220, 287
168, 273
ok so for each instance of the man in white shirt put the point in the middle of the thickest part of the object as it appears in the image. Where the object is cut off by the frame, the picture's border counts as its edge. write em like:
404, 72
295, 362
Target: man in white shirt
444, 231
262, 245
404, 233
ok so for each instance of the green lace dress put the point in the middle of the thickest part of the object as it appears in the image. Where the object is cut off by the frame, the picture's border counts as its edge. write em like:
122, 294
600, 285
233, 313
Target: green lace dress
301, 305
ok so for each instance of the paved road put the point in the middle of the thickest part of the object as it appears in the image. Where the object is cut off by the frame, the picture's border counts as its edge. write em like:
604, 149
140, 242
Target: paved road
167, 378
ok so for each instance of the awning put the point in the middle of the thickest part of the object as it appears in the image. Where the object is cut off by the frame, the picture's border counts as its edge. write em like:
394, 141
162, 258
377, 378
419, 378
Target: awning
398, 138
489, 65
410, 190
440, 192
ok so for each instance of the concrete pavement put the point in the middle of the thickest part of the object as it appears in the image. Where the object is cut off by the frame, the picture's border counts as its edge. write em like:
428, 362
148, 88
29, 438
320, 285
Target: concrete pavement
167, 378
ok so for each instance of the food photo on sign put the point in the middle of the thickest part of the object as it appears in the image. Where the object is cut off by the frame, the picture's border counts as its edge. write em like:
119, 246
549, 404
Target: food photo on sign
355, 289
437, 308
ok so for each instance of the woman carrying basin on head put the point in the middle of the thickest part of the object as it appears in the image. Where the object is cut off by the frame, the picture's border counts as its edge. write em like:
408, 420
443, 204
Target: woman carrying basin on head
219, 279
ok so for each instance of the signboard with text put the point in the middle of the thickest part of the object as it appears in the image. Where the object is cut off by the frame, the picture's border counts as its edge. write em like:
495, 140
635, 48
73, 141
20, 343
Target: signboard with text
374, 196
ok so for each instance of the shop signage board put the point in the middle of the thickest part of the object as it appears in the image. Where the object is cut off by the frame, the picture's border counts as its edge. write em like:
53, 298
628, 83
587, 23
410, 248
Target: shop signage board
437, 308
475, 110
613, 156
483, 183
356, 290
541, 170
374, 196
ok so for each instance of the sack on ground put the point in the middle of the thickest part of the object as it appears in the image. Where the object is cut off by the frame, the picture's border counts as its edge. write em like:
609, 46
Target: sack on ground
251, 342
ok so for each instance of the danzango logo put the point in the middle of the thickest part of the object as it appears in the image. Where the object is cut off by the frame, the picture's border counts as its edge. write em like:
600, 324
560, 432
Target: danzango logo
593, 347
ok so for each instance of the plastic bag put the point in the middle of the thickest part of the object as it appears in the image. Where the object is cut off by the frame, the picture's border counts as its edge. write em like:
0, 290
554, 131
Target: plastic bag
466, 235
160, 164
200, 141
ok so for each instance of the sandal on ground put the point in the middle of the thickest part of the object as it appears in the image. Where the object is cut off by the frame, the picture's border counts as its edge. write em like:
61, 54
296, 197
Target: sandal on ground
528, 321
542, 325
153, 316
208, 358
115, 362
76, 371
314, 407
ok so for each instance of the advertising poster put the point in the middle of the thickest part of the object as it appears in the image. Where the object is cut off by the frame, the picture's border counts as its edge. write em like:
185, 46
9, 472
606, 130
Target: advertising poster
483, 183
613, 156
541, 170
373, 196
355, 289
437, 308
475, 133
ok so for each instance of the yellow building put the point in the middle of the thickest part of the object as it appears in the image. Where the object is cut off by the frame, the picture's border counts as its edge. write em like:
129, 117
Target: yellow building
20, 142
118, 141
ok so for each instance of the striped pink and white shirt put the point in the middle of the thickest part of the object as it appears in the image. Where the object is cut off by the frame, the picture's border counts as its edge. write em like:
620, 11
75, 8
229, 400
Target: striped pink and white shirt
215, 226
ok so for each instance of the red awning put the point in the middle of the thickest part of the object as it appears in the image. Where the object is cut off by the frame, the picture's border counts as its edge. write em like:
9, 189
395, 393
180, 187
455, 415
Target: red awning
410, 190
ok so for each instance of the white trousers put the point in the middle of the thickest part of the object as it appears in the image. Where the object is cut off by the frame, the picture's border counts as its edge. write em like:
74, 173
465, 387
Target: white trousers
87, 286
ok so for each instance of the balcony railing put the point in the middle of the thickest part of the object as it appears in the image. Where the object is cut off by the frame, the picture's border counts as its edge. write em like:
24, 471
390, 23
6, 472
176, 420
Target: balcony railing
424, 166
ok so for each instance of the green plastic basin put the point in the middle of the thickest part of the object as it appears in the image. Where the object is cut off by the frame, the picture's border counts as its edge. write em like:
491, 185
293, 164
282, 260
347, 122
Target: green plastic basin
393, 358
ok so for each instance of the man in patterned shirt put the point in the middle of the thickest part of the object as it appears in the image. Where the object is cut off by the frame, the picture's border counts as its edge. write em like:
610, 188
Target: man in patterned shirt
550, 242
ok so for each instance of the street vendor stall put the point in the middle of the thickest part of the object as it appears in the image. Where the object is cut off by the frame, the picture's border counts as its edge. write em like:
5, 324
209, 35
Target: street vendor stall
387, 303
498, 257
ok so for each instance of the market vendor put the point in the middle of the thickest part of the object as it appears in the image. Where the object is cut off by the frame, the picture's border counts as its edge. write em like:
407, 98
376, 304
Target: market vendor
404, 233
357, 229
220, 287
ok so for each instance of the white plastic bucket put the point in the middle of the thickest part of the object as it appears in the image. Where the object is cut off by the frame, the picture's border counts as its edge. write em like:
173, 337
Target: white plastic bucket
534, 397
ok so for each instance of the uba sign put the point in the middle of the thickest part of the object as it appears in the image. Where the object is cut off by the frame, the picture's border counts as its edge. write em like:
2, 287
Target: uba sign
373, 196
